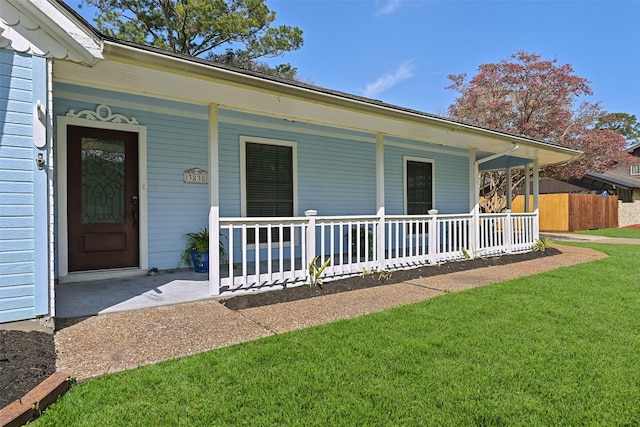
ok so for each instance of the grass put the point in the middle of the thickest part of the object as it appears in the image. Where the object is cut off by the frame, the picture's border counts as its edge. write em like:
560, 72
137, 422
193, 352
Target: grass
559, 348
614, 232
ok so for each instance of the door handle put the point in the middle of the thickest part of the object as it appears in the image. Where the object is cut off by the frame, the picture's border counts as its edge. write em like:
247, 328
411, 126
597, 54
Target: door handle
134, 210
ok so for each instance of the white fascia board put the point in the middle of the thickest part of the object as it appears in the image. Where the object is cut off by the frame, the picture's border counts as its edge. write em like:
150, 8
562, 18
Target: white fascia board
55, 32
154, 74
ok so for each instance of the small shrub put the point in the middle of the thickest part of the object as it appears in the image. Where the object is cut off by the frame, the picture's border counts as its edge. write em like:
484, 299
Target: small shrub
385, 275
542, 244
473, 253
315, 271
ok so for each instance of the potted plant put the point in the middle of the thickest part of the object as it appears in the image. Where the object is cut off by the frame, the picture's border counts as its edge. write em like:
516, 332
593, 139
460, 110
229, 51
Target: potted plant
196, 251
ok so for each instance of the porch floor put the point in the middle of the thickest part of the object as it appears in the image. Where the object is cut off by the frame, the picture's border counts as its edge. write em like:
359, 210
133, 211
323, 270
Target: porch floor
132, 293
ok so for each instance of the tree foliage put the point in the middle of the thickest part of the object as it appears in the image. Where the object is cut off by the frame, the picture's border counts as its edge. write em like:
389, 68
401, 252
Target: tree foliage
528, 96
625, 124
237, 32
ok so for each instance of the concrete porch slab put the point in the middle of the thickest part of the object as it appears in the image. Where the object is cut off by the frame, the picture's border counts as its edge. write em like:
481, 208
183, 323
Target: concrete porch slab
133, 293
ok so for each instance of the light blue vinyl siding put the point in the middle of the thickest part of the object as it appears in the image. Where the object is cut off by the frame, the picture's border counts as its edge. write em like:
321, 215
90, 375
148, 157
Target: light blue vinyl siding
175, 143
336, 168
23, 201
451, 177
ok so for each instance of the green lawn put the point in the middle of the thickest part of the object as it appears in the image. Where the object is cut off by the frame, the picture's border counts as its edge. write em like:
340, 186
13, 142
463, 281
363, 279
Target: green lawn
559, 348
614, 232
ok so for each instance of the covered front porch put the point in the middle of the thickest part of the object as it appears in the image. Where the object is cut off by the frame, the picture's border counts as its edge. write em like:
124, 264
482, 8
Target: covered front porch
355, 250
276, 252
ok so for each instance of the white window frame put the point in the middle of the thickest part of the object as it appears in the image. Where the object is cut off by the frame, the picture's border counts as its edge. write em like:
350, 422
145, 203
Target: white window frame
243, 174
407, 159
634, 169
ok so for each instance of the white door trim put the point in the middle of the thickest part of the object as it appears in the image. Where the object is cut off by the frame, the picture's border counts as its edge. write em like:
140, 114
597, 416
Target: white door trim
96, 119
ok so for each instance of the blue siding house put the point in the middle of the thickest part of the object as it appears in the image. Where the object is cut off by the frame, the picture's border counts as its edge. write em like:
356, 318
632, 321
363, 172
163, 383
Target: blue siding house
110, 152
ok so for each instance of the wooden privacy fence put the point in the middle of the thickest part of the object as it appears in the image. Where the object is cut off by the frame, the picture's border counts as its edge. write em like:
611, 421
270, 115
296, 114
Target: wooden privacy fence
573, 212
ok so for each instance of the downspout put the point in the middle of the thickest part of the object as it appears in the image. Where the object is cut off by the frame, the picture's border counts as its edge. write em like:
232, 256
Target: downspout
476, 206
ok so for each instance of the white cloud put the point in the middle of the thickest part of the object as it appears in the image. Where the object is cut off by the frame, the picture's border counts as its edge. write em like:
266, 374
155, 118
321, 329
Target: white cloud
388, 6
403, 72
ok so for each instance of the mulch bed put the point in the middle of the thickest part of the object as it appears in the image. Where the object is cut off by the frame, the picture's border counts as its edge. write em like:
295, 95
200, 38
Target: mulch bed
375, 279
28, 358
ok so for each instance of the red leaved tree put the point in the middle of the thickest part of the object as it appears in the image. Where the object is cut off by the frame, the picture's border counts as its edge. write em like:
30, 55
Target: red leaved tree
527, 96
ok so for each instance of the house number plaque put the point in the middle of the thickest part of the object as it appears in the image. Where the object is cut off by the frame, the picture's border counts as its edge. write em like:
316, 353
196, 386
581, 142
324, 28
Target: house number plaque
196, 176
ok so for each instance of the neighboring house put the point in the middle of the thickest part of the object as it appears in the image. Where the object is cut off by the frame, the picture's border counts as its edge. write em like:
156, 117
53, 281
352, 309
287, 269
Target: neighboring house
110, 152
623, 181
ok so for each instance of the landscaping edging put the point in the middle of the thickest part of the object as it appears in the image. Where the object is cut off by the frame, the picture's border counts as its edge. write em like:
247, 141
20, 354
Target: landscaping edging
32, 405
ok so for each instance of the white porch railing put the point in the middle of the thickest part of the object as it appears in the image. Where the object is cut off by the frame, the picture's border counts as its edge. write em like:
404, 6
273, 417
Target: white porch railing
263, 252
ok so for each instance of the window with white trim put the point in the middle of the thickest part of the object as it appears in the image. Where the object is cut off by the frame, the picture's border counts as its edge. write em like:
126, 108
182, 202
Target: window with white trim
269, 187
269, 180
635, 169
419, 186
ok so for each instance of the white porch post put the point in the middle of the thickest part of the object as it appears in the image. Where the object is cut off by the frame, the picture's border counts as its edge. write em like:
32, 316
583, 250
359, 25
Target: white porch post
527, 187
214, 203
434, 248
381, 258
474, 232
536, 197
508, 224
311, 236
509, 187
508, 232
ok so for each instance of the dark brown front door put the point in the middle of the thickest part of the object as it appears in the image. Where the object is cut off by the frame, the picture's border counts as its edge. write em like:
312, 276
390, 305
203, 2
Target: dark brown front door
102, 196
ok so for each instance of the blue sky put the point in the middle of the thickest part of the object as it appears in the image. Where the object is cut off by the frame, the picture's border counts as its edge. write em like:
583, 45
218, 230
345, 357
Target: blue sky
401, 51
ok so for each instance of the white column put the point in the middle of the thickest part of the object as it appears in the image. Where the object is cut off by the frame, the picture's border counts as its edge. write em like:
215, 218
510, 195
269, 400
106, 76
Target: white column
536, 197
508, 232
527, 187
474, 184
380, 202
214, 203
474, 232
536, 184
311, 236
509, 186
434, 239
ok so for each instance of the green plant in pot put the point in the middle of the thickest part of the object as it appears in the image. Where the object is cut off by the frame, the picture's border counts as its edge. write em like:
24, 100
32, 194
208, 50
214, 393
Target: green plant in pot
196, 252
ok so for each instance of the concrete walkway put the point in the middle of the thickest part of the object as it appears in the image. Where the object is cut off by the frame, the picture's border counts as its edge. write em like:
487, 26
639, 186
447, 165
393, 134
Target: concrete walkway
119, 341
571, 237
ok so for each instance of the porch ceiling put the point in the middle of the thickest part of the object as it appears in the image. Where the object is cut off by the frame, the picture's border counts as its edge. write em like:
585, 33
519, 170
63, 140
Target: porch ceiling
193, 82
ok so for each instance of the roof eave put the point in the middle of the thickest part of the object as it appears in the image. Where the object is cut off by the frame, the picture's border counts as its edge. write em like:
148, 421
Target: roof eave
132, 52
